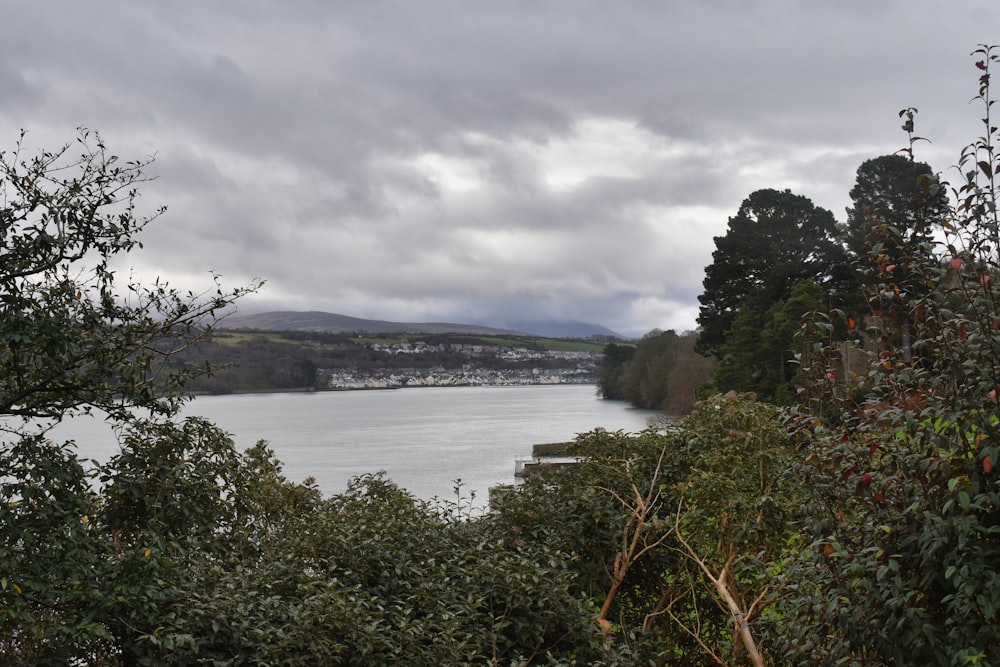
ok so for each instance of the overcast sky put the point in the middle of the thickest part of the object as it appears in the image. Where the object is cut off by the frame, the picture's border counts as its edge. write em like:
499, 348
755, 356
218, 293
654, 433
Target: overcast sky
483, 161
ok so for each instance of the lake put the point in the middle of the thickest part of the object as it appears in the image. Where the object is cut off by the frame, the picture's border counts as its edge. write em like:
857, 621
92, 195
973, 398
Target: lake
424, 439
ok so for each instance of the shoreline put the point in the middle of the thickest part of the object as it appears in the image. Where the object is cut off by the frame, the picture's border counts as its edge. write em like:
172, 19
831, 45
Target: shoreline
315, 390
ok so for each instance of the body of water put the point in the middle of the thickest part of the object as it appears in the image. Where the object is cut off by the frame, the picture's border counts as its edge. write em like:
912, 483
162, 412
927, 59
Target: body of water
424, 439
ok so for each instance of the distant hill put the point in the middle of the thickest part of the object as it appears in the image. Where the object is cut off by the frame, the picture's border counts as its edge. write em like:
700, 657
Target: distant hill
552, 329
290, 320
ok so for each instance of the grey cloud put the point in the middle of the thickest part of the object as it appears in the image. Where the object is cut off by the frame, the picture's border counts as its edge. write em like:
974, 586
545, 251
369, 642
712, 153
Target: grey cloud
289, 136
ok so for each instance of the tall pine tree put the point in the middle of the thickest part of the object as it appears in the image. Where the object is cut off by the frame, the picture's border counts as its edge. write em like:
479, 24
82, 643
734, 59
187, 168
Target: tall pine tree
775, 240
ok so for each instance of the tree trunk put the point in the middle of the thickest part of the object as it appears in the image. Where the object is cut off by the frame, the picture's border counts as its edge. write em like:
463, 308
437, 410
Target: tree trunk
742, 626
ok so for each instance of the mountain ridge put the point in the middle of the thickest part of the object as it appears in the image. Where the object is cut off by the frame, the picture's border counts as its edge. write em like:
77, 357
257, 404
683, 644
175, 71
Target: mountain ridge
314, 320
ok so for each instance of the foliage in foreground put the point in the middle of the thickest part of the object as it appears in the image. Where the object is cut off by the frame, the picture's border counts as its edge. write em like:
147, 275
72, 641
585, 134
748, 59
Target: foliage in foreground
196, 553
674, 533
190, 551
904, 565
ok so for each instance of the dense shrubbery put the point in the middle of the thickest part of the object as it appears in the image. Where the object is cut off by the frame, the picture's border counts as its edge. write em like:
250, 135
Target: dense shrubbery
860, 527
905, 518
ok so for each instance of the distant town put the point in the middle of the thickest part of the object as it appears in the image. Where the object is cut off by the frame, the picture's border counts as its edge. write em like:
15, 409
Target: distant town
574, 367
256, 361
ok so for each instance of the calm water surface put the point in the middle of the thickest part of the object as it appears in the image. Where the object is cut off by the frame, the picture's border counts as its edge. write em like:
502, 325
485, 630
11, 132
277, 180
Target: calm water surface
424, 439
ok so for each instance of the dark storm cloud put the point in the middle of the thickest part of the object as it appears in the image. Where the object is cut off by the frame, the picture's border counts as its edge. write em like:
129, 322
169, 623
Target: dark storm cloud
496, 161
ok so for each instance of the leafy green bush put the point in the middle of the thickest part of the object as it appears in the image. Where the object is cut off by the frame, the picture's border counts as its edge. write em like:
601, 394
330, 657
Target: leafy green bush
904, 564
672, 533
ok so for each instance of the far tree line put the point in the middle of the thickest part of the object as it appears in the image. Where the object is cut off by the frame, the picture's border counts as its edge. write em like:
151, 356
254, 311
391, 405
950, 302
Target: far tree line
781, 259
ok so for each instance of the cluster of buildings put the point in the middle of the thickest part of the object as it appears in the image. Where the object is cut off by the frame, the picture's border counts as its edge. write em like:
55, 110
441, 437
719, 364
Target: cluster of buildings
473, 350
441, 377
561, 367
